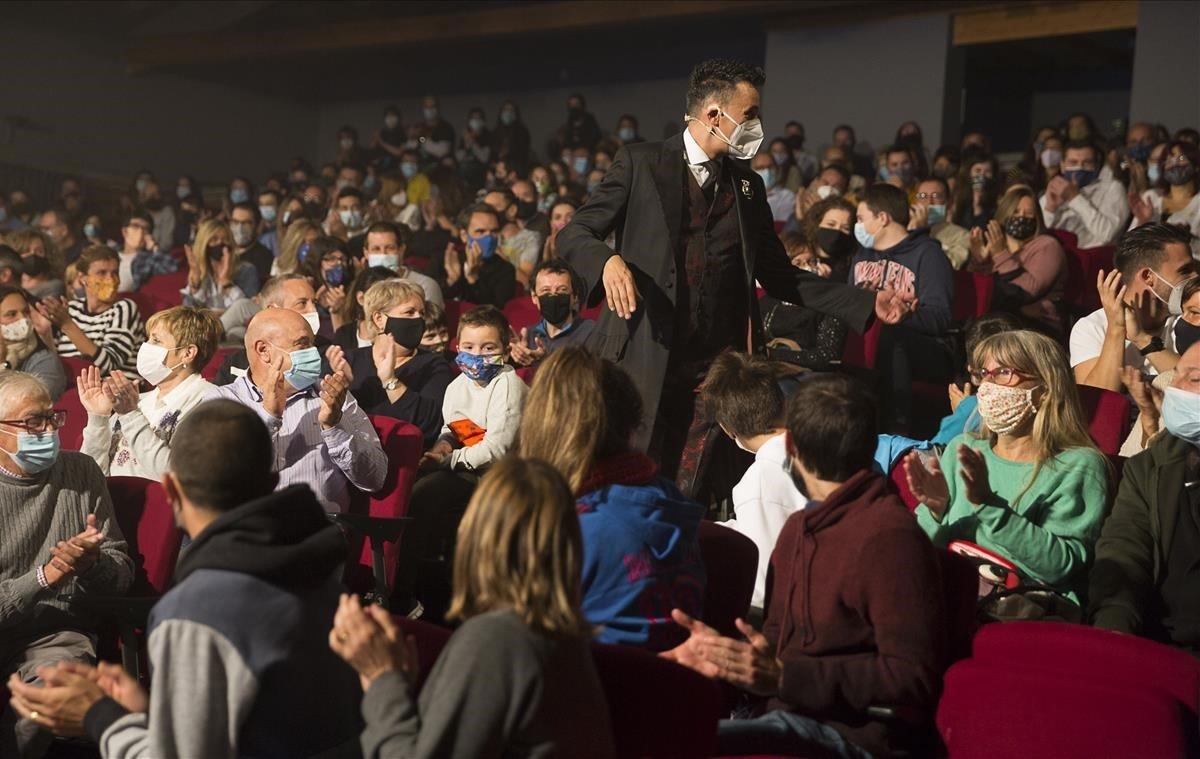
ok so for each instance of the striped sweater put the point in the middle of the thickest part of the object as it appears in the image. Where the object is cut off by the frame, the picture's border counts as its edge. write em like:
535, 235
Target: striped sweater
117, 331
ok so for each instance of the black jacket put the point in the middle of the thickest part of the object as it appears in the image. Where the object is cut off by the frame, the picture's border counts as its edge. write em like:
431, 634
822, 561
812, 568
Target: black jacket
425, 376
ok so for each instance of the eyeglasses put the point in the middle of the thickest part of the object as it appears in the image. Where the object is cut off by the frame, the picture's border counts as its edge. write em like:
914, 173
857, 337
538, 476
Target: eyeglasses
39, 423
1001, 376
930, 196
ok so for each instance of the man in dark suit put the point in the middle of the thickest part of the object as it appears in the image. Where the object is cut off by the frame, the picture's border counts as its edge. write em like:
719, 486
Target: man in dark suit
693, 233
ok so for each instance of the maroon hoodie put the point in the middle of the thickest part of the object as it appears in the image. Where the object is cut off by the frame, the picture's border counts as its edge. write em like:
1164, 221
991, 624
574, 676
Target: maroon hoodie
857, 612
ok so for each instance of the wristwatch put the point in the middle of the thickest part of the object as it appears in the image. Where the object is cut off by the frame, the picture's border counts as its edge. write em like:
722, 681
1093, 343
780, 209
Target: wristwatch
1154, 346
392, 384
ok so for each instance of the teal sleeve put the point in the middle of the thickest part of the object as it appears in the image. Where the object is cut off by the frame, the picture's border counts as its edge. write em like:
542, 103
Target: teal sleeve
941, 533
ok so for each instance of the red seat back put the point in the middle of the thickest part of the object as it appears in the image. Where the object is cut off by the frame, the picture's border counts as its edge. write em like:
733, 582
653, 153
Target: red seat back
592, 313
148, 523
429, 639
960, 582
454, 310
214, 364
999, 711
1108, 416
160, 292
731, 566
860, 350
972, 295
521, 313
900, 482
73, 366
70, 437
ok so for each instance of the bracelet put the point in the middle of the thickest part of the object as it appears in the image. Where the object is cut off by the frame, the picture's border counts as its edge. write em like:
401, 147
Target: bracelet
41, 578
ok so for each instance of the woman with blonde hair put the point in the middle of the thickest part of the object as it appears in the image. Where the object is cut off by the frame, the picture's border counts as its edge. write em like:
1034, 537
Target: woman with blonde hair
517, 678
579, 416
1030, 485
299, 235
1026, 262
394, 376
217, 277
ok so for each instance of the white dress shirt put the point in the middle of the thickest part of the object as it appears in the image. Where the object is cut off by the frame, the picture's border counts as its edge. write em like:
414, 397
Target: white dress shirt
703, 168
1096, 215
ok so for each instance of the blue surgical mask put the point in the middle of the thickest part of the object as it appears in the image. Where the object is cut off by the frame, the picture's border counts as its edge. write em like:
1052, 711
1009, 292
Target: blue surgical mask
91, 230
480, 368
36, 452
302, 252
1139, 151
183, 191
580, 164
884, 174
268, 213
487, 244
352, 219
1153, 173
386, 260
864, 238
238, 195
768, 176
625, 134
336, 275
408, 169
1081, 177
306, 368
937, 214
779, 158
1181, 414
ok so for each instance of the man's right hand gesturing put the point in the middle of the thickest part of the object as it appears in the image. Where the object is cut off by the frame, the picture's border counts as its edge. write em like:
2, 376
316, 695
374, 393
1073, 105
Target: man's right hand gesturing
619, 287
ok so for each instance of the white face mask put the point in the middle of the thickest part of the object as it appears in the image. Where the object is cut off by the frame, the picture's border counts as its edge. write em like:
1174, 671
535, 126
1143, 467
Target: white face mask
15, 332
1175, 300
827, 191
150, 363
399, 199
314, 320
745, 139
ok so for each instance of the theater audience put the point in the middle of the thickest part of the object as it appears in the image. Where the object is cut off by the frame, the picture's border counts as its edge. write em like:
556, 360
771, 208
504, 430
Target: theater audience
43, 264
321, 437
516, 678
291, 291
243, 230
217, 278
328, 267
385, 246
57, 228
1080, 201
130, 434
641, 551
553, 294
1031, 485
929, 211
477, 275
355, 331
60, 538
1173, 194
781, 200
232, 642
437, 335
301, 233
96, 325
140, 260
747, 402
20, 346
977, 190
1028, 266
394, 376
1144, 578
856, 616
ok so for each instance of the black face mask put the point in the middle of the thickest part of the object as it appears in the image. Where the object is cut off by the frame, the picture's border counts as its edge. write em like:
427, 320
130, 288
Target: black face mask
1177, 175
797, 479
555, 309
1020, 227
214, 251
1186, 335
406, 332
153, 204
526, 210
836, 243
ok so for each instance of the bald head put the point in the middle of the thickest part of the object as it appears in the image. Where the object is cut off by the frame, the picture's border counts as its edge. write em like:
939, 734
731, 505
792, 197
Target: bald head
271, 332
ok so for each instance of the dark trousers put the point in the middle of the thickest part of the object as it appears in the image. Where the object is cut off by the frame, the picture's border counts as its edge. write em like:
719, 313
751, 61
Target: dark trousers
904, 356
439, 500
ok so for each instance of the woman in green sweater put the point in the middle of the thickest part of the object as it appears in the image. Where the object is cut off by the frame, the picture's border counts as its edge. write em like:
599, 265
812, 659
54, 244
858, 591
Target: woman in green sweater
1031, 485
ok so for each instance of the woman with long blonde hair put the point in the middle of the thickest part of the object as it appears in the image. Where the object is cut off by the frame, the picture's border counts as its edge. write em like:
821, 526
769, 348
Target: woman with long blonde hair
299, 234
579, 416
217, 277
1030, 485
517, 678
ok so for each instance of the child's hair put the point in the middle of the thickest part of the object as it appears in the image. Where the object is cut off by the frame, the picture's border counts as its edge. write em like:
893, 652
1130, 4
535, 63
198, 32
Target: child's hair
745, 394
435, 316
487, 316
520, 548
987, 325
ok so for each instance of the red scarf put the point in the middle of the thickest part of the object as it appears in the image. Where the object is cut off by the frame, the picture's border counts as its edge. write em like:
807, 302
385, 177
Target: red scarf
630, 468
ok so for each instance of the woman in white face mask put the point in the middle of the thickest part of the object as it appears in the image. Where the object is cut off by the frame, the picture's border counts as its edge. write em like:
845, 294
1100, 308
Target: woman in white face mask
20, 348
1031, 485
129, 434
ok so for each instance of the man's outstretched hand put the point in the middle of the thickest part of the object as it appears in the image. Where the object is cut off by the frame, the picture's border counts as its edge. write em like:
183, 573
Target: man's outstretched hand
892, 307
619, 287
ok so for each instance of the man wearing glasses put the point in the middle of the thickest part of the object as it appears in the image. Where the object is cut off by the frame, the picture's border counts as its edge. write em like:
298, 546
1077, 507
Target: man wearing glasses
930, 211
59, 537
140, 257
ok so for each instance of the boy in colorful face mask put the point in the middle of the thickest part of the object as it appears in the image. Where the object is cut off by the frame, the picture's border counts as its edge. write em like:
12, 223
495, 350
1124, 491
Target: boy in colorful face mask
478, 275
482, 406
1031, 486
1081, 201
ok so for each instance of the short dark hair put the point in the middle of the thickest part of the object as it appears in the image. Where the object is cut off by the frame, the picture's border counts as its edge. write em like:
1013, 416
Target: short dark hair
885, 198
1146, 247
940, 180
555, 266
400, 231
745, 394
269, 191
846, 128
200, 456
629, 117
832, 426
1084, 145
10, 259
718, 78
435, 316
350, 192
509, 197
245, 205
483, 208
987, 325
896, 148
487, 316
140, 216
623, 409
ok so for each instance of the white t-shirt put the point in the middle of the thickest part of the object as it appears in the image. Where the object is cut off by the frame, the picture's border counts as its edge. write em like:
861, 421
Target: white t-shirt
126, 272
1087, 339
762, 501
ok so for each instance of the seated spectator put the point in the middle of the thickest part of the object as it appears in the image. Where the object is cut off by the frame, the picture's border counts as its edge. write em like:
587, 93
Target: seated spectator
781, 155
386, 245
239, 631
1033, 486
641, 548
20, 347
130, 434
57, 228
553, 293
747, 402
843, 632
347, 220
1028, 265
1175, 193
898, 168
60, 538
912, 264
328, 267
1153, 264
395, 377
355, 331
1080, 201
321, 437
11, 266
478, 275
436, 337
561, 213
517, 677
929, 212
977, 190
217, 278
42, 274
1144, 578
243, 230
140, 260
779, 197
799, 335
291, 291
98, 326
519, 245
300, 234
163, 214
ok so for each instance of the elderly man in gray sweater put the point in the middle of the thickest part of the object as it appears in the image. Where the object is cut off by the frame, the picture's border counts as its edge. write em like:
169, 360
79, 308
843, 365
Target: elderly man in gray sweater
59, 537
